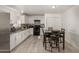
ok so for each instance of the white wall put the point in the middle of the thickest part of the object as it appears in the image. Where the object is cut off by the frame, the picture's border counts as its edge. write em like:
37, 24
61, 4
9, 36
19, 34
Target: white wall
70, 20
26, 19
53, 20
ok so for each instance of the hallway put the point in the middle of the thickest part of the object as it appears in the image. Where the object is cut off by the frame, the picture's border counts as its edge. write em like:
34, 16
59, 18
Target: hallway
35, 45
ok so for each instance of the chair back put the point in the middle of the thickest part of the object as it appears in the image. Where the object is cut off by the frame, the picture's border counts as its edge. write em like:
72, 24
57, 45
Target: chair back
50, 28
43, 31
62, 30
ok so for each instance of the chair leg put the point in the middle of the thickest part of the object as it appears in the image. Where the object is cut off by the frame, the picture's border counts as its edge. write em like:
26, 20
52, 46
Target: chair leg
63, 43
58, 48
56, 44
51, 47
43, 44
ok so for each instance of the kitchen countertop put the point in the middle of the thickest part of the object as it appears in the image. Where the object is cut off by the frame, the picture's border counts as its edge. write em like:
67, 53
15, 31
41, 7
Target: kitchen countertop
19, 30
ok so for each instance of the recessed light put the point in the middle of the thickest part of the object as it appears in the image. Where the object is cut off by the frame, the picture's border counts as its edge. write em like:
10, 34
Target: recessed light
53, 6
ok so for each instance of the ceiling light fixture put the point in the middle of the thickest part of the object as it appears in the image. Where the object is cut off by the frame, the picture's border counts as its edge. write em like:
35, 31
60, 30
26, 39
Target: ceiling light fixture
53, 6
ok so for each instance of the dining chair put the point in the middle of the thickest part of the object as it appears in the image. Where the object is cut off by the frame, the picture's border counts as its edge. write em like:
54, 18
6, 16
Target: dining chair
50, 28
54, 41
46, 38
62, 37
43, 37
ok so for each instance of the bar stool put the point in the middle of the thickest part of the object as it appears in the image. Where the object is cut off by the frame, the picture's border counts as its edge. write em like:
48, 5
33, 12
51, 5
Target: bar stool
45, 40
62, 37
54, 41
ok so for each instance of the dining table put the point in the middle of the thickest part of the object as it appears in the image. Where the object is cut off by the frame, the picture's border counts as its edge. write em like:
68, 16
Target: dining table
50, 32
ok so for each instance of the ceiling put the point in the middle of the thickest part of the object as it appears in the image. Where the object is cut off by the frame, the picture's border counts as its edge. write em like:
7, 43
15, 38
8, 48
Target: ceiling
41, 9
1, 11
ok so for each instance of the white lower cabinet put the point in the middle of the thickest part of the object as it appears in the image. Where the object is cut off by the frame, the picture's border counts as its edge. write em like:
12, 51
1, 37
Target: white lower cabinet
31, 31
12, 41
24, 35
18, 37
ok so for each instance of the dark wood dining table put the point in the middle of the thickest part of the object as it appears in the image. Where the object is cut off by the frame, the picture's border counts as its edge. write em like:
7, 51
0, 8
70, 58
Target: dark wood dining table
50, 32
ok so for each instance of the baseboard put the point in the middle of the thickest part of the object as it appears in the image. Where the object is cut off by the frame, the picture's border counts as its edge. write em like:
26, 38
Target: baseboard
4, 51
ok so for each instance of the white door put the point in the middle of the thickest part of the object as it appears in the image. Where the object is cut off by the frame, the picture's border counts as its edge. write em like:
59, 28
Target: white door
54, 22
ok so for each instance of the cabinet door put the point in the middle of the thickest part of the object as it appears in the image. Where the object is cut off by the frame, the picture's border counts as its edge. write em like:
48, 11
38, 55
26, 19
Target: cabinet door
28, 32
18, 38
12, 41
25, 34
22, 35
31, 31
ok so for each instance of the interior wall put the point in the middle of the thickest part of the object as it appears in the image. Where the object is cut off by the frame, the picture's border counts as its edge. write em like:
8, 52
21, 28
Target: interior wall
53, 20
26, 19
70, 20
